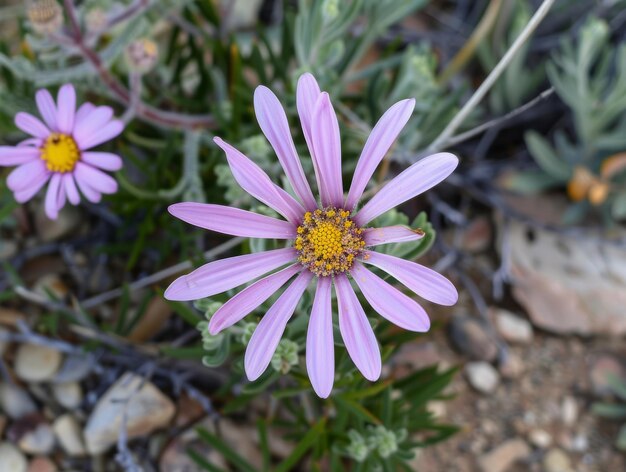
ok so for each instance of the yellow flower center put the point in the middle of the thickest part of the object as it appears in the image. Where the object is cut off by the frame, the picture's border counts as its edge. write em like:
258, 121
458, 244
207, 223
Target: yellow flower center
60, 153
328, 241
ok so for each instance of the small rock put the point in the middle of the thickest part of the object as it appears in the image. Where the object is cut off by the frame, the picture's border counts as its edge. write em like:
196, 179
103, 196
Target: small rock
470, 337
134, 399
15, 402
51, 283
69, 395
437, 409
601, 371
175, 458
512, 366
511, 327
482, 376
33, 435
489, 427
42, 464
51, 230
8, 249
540, 438
504, 456
580, 443
68, 433
569, 411
11, 459
75, 368
10, 317
556, 461
36, 363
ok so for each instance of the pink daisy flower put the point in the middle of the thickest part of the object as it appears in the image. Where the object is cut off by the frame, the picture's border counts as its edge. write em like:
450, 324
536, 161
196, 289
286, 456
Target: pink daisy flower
58, 152
330, 240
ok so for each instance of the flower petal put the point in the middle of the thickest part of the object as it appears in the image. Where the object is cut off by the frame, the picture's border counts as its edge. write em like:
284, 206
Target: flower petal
87, 190
99, 181
15, 156
233, 221
66, 108
31, 125
390, 302
425, 282
24, 175
82, 112
102, 160
52, 196
238, 307
109, 131
273, 122
327, 151
70, 189
307, 93
219, 276
267, 334
390, 234
90, 123
378, 144
320, 349
356, 330
47, 108
255, 181
28, 192
416, 179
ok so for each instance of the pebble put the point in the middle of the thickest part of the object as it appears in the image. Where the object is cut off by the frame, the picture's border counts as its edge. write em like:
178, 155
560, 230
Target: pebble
540, 438
52, 230
42, 464
11, 459
69, 394
51, 283
602, 369
482, 376
38, 439
69, 435
470, 337
75, 368
512, 328
504, 456
556, 461
512, 366
569, 410
15, 402
36, 363
133, 399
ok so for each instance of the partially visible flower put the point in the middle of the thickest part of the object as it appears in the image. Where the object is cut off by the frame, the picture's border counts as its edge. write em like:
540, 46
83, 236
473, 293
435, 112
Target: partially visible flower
46, 16
385, 441
142, 55
358, 448
331, 240
58, 153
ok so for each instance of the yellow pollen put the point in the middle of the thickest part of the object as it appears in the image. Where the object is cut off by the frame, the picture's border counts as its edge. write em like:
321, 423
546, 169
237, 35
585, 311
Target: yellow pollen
328, 241
60, 153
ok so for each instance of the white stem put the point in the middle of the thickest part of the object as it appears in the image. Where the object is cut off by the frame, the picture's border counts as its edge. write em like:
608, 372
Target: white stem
441, 140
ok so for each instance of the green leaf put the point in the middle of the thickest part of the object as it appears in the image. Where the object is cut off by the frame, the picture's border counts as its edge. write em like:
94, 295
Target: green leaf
530, 182
618, 207
609, 410
546, 158
229, 454
306, 443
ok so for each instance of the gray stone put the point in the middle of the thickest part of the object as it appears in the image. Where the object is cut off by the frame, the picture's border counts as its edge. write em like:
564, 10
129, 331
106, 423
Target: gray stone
504, 456
11, 459
511, 327
36, 363
470, 337
482, 376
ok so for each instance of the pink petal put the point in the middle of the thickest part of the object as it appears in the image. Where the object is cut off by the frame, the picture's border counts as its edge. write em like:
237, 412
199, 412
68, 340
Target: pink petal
327, 151
107, 132
418, 178
102, 160
233, 221
274, 124
83, 111
70, 189
219, 276
30, 142
15, 156
390, 234
47, 108
61, 196
307, 94
378, 144
425, 282
267, 334
320, 349
66, 108
356, 330
255, 181
236, 308
34, 186
390, 302
89, 124
52, 196
31, 125
99, 181
24, 175
87, 190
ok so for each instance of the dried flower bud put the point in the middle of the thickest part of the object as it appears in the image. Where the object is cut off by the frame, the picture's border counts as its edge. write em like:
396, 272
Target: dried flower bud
46, 16
142, 55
